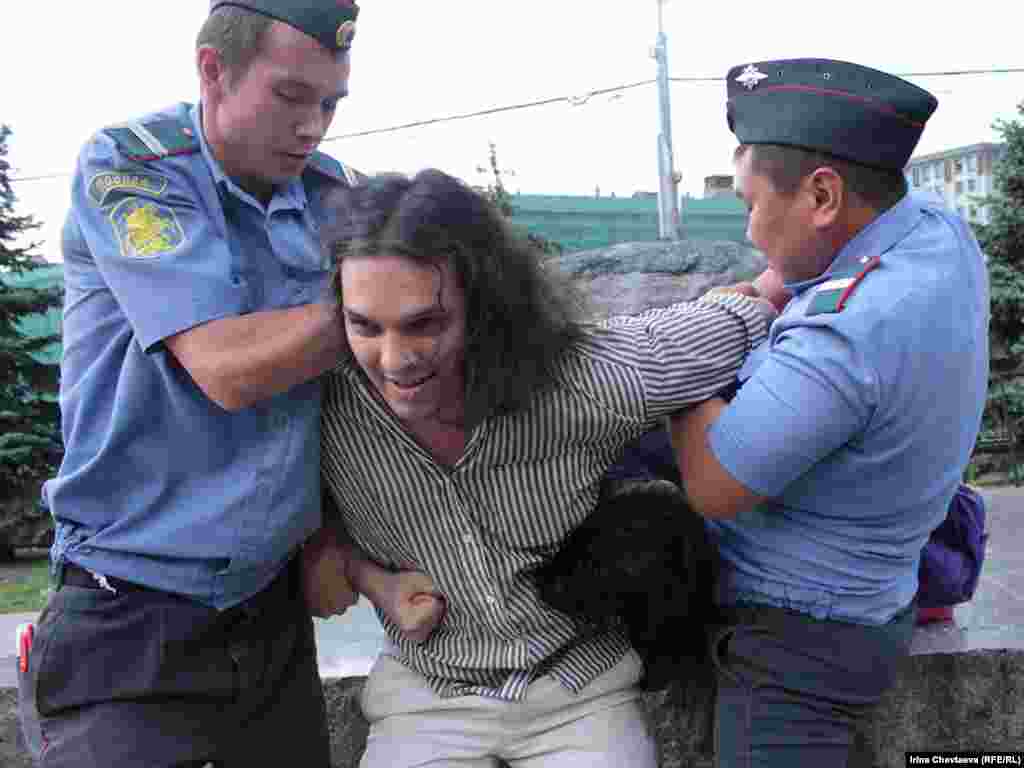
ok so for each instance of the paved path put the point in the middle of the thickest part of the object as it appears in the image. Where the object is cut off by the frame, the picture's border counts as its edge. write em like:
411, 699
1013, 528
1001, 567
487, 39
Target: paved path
347, 645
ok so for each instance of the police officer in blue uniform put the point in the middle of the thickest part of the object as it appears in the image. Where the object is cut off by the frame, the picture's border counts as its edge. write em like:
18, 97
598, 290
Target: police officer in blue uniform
195, 324
825, 474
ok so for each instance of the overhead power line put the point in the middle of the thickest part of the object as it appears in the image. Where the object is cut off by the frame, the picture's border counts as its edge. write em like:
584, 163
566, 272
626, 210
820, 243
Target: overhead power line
576, 100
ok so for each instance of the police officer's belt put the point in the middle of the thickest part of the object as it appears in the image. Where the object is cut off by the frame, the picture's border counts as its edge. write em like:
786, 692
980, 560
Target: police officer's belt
75, 576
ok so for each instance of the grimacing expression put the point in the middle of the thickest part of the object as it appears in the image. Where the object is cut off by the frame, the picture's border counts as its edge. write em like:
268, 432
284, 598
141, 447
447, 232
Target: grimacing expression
264, 124
406, 326
781, 226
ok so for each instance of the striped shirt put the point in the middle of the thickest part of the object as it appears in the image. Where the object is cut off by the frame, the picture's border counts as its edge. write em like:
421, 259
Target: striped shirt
525, 480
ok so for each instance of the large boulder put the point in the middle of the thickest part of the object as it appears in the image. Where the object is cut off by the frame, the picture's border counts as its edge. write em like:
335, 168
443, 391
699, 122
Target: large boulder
940, 702
629, 278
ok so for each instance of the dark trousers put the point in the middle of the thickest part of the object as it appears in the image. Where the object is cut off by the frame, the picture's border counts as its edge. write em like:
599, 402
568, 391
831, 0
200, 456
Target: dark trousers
151, 680
793, 690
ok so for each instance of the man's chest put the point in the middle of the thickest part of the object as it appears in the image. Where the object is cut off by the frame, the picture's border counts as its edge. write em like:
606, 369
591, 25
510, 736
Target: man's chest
445, 444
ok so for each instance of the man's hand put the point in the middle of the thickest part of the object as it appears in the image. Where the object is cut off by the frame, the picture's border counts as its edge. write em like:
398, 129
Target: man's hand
325, 575
408, 598
743, 288
767, 286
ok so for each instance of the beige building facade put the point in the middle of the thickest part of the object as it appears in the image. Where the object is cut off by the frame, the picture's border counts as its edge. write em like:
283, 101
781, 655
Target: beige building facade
960, 177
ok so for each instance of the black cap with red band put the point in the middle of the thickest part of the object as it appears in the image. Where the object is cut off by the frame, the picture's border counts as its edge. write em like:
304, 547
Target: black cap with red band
846, 110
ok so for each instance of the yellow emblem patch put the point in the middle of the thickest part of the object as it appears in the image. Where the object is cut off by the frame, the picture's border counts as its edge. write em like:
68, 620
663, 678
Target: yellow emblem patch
345, 34
146, 229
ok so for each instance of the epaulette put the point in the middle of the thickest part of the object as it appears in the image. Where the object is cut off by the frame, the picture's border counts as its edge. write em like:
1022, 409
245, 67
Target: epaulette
831, 296
154, 139
328, 166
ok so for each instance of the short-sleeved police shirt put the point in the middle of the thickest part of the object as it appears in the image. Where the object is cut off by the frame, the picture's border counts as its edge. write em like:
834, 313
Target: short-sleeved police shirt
159, 485
857, 424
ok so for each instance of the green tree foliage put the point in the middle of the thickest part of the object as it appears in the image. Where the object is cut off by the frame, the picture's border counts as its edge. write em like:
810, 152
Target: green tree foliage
1002, 239
29, 416
501, 198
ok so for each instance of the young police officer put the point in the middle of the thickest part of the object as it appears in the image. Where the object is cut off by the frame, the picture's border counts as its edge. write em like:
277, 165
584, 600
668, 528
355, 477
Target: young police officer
825, 475
193, 270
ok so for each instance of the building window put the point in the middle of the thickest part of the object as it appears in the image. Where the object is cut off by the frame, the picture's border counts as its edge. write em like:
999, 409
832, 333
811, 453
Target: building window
971, 185
959, 188
949, 170
958, 167
972, 164
938, 170
926, 173
917, 177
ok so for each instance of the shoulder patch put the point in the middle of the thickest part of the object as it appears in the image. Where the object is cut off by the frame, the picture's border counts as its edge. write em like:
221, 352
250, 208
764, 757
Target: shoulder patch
103, 185
155, 139
145, 229
831, 296
328, 166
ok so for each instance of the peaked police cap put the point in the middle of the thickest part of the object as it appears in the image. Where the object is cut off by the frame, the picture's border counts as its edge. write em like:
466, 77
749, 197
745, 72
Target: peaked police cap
331, 22
843, 109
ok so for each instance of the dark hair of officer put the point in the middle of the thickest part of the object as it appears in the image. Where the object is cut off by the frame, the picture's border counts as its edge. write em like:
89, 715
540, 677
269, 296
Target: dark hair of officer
520, 316
237, 34
785, 167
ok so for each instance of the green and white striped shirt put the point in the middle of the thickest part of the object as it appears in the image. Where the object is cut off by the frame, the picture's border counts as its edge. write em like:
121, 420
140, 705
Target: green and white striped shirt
524, 481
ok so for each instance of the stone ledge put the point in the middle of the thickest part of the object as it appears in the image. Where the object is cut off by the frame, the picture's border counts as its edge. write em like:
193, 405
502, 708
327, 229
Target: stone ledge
941, 701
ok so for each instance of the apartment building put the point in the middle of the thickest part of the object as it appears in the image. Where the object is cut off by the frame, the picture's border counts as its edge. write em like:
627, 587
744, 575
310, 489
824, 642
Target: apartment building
959, 177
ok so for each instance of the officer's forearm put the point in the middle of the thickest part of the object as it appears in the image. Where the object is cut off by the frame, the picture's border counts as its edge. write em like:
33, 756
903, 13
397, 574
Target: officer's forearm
238, 361
711, 490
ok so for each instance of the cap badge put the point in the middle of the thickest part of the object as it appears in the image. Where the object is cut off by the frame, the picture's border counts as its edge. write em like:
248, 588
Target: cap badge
345, 33
750, 77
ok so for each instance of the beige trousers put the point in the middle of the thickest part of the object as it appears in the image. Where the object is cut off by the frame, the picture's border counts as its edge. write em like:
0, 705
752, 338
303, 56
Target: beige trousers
604, 726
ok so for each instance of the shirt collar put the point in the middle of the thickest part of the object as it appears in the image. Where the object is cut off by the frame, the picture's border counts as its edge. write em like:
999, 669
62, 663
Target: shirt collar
292, 195
873, 240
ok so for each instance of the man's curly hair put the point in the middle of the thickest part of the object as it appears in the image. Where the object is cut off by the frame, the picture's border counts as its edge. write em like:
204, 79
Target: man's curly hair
520, 315
643, 562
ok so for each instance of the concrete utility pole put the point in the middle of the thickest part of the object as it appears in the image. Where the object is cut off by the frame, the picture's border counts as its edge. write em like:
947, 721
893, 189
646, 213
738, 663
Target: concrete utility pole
668, 179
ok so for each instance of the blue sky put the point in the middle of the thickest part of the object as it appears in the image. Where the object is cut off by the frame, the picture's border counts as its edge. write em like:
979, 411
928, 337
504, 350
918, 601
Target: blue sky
82, 69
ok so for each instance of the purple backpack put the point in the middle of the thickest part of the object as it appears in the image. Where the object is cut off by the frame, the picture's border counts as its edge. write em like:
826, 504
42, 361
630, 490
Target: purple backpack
952, 557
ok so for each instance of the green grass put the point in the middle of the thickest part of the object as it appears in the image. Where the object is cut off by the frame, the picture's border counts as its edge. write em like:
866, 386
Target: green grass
27, 591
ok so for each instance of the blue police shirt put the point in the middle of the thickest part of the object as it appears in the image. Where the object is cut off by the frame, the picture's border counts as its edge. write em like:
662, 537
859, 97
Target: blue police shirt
159, 485
858, 424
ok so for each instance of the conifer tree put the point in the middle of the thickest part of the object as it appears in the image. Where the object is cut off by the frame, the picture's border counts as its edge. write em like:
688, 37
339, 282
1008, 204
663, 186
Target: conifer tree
29, 415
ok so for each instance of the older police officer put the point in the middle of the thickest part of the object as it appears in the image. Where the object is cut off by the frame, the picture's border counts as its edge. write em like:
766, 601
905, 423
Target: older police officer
193, 328
839, 455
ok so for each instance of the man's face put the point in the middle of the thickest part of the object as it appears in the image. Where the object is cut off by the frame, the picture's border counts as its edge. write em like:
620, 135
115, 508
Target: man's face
781, 226
406, 326
263, 125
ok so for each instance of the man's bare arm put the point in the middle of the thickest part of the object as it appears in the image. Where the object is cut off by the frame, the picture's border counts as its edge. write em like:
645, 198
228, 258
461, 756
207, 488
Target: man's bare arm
238, 361
710, 489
